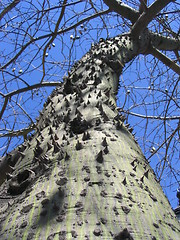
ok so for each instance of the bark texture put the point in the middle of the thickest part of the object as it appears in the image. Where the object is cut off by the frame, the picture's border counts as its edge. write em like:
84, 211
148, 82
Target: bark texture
82, 175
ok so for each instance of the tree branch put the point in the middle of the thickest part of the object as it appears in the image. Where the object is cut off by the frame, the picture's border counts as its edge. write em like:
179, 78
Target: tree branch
53, 37
61, 31
143, 6
152, 117
122, 9
9, 8
35, 86
4, 107
23, 132
38, 85
163, 58
170, 136
147, 16
164, 43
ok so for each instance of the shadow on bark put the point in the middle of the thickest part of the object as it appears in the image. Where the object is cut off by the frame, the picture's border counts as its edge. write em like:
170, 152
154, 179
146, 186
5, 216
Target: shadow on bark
51, 208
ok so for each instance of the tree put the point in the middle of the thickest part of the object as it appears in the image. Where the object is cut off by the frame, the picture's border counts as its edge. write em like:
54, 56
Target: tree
81, 174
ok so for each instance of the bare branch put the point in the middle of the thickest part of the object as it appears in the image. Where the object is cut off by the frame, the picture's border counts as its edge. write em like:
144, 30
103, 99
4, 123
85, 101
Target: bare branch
9, 8
25, 89
152, 117
177, 55
163, 58
18, 54
4, 107
143, 6
122, 9
169, 138
61, 31
147, 16
53, 37
24, 111
23, 132
35, 86
164, 43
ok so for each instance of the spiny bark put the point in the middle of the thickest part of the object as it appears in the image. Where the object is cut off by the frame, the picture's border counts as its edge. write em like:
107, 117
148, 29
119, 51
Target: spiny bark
82, 175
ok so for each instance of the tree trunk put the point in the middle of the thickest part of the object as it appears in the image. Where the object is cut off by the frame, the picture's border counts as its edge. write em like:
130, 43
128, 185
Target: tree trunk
82, 175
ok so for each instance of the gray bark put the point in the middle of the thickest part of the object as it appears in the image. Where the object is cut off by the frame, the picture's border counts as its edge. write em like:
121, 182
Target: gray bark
82, 175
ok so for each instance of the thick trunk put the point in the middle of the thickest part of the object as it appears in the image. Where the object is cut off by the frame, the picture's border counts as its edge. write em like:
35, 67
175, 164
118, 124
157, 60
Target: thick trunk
82, 175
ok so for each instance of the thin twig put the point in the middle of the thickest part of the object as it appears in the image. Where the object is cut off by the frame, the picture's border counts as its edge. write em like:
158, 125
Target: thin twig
25, 89
4, 107
173, 133
21, 132
152, 117
61, 31
53, 37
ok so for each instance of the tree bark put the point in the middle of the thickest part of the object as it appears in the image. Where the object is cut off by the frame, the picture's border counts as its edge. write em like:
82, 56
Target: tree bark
82, 175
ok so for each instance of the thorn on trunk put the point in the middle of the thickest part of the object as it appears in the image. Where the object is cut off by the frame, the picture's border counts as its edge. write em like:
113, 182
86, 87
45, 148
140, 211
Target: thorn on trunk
49, 146
63, 137
86, 136
71, 134
146, 173
124, 182
66, 157
99, 157
106, 102
107, 92
142, 179
79, 145
105, 117
38, 150
134, 168
99, 94
50, 131
118, 125
56, 148
133, 163
56, 137
123, 235
130, 130
106, 150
